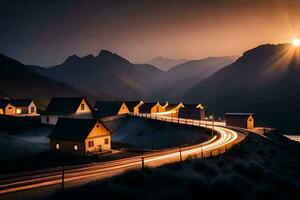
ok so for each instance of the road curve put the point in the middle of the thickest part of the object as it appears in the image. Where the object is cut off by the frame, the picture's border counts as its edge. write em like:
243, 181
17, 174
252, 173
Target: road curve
222, 140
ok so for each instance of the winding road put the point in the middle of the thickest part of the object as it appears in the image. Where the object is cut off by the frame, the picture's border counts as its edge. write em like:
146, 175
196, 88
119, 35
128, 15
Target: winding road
223, 139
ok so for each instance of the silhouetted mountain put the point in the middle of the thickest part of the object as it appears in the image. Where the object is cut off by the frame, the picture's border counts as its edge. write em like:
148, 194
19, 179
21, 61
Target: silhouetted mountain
17, 80
165, 63
181, 78
106, 73
268, 73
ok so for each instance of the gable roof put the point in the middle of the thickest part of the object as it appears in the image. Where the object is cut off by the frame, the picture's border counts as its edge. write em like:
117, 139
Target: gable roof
21, 102
190, 111
107, 108
171, 106
243, 116
131, 104
64, 105
239, 114
3, 103
74, 129
146, 107
174, 105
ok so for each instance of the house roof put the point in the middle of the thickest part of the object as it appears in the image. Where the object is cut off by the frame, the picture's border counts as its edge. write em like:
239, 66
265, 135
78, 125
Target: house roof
74, 129
64, 105
238, 115
190, 111
107, 108
20, 102
131, 104
146, 107
3, 103
171, 106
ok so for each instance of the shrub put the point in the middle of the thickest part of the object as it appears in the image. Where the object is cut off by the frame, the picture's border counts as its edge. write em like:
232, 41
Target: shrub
205, 168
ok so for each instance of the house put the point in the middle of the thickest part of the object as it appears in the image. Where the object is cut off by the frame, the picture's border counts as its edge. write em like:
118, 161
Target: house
192, 111
18, 107
242, 120
136, 108
172, 109
112, 108
80, 137
132, 104
6, 108
68, 107
149, 108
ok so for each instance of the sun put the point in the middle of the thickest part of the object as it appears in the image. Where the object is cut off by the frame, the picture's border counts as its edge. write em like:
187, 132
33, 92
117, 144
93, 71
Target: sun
296, 42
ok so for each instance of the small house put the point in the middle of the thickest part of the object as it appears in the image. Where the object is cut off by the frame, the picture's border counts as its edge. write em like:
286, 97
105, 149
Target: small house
136, 108
18, 107
6, 108
112, 108
192, 111
242, 120
67, 107
132, 104
80, 137
149, 108
172, 109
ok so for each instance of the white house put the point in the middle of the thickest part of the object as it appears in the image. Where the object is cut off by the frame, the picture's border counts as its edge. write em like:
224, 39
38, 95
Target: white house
67, 107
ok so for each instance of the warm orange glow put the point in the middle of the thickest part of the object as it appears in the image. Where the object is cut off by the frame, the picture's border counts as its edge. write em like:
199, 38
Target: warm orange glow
296, 42
18, 111
280, 62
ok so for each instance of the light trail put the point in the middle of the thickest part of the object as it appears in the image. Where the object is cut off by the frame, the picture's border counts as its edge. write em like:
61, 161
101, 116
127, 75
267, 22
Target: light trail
223, 138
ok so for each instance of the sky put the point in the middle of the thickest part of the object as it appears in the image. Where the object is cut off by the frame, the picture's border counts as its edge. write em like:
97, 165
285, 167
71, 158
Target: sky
45, 33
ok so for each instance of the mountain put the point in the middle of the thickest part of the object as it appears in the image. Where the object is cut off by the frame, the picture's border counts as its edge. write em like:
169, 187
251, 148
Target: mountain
165, 63
18, 81
106, 73
265, 75
181, 78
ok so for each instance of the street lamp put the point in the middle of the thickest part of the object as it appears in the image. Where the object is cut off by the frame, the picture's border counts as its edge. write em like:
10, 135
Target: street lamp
212, 119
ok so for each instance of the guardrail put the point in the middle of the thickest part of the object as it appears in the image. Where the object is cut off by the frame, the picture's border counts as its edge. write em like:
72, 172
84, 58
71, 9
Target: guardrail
200, 123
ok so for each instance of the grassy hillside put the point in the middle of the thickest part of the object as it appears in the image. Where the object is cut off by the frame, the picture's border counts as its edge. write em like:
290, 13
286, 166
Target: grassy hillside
257, 169
146, 133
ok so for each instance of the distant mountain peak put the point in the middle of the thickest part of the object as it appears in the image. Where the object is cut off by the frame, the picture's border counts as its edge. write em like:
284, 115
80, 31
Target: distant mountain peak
164, 63
72, 59
105, 52
107, 55
88, 57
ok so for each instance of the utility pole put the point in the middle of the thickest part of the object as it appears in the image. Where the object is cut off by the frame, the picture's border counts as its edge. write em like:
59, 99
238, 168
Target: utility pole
213, 122
143, 163
180, 155
201, 151
63, 177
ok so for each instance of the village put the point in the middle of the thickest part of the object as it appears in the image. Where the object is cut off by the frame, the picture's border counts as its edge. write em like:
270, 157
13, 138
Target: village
79, 128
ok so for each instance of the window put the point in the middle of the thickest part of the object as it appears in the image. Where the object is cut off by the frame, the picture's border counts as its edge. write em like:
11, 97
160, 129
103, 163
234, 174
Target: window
32, 109
9, 107
91, 143
57, 146
106, 141
47, 119
82, 106
75, 147
18, 111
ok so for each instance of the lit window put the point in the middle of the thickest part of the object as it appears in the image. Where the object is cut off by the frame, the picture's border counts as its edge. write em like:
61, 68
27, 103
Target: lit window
82, 106
75, 147
91, 143
106, 141
18, 111
57, 146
